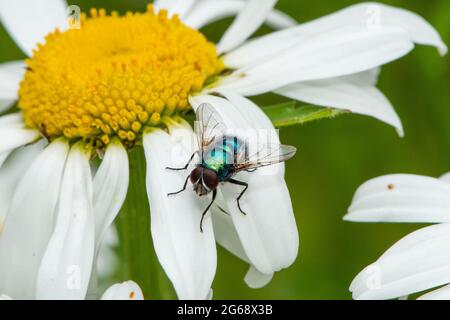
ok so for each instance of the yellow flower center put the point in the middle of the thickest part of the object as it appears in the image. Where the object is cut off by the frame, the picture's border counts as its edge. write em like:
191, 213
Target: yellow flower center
114, 76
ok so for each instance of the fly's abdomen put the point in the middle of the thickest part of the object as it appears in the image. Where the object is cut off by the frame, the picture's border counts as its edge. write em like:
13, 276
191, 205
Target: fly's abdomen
223, 154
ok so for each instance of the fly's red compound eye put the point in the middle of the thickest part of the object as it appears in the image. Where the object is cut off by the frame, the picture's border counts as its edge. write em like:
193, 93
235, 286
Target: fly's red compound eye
210, 179
196, 175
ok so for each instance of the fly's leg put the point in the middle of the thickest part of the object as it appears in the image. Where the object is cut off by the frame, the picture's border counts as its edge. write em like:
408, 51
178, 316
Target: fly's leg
187, 164
181, 169
206, 210
184, 188
245, 185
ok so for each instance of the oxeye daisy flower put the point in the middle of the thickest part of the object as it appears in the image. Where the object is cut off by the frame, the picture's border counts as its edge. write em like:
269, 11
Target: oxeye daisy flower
121, 82
137, 76
418, 262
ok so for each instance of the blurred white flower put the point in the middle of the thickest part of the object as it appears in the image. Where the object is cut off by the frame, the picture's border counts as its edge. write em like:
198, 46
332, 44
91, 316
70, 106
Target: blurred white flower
421, 260
128, 290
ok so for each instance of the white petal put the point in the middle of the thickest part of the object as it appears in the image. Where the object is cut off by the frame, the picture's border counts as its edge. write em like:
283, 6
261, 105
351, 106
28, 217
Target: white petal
413, 239
419, 264
163, 4
248, 21
29, 222
280, 20
28, 22
11, 120
268, 232
401, 198
110, 187
3, 156
11, 173
206, 12
110, 190
13, 137
11, 74
365, 15
66, 267
187, 255
446, 177
210, 295
182, 7
186, 143
128, 290
348, 93
335, 53
438, 294
368, 77
256, 280
227, 236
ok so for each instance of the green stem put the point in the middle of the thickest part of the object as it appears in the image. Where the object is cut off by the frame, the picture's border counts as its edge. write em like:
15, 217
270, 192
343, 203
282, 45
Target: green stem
137, 256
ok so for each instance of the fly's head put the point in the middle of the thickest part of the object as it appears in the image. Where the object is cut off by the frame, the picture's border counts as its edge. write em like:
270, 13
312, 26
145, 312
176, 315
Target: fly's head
204, 180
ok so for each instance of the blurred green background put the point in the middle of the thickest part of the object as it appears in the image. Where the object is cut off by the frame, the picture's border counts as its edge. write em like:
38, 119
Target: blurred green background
336, 156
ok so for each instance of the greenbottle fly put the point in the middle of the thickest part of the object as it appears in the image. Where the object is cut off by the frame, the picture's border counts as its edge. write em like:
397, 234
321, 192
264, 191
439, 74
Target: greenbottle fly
222, 156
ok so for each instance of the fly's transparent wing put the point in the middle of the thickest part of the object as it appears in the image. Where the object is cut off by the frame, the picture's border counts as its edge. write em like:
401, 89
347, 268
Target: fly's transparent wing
265, 155
208, 126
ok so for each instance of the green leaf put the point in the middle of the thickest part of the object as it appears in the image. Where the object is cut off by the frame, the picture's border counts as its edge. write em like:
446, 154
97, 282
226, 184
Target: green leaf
291, 113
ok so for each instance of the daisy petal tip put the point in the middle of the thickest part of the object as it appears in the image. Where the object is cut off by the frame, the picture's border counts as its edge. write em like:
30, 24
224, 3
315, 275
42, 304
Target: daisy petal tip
443, 49
256, 279
419, 29
400, 132
445, 177
360, 217
354, 215
210, 294
348, 217
280, 20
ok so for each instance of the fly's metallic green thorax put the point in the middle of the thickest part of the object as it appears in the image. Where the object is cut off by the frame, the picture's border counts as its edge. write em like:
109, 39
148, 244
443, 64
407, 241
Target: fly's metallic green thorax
222, 156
